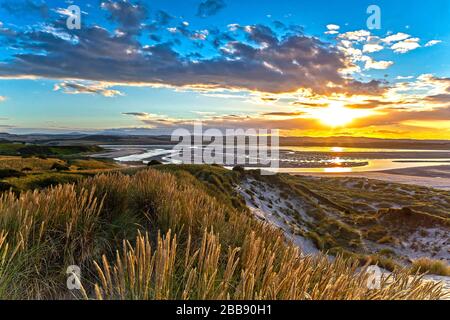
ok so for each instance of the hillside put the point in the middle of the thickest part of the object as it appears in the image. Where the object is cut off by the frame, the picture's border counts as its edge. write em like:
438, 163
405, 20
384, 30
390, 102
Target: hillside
171, 232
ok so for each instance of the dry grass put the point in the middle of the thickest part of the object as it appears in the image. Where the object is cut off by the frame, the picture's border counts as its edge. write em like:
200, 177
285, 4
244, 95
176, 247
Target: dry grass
427, 265
36, 164
155, 235
255, 271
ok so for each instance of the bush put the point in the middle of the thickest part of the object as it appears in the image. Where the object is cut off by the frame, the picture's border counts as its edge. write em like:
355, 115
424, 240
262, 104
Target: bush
154, 163
59, 167
239, 169
438, 267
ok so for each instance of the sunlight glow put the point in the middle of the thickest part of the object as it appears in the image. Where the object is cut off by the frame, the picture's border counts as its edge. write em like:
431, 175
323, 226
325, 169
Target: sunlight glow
336, 114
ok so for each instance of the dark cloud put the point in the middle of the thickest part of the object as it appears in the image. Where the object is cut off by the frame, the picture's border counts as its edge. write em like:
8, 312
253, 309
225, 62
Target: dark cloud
439, 98
210, 7
273, 66
136, 114
128, 15
284, 114
88, 88
262, 34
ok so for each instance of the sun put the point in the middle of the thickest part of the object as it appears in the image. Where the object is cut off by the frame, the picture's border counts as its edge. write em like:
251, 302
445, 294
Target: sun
337, 115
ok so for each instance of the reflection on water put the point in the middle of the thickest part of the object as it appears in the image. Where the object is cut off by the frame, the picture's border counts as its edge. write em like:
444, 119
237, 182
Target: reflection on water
374, 165
313, 159
348, 149
337, 170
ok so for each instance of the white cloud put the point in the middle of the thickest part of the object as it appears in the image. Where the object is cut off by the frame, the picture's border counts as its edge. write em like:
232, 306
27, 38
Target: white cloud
396, 37
404, 77
2, 98
372, 47
359, 35
406, 45
432, 43
379, 65
332, 29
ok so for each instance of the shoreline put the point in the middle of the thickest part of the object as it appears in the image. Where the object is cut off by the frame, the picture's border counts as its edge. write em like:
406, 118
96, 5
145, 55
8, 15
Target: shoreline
437, 177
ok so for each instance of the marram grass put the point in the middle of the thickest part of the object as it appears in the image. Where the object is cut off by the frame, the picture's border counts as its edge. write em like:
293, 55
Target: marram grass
154, 235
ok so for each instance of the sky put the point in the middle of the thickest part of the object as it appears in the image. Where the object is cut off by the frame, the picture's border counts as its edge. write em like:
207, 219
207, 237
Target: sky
308, 68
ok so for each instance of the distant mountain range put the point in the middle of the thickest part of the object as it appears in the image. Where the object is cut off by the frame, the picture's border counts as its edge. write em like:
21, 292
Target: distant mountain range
141, 137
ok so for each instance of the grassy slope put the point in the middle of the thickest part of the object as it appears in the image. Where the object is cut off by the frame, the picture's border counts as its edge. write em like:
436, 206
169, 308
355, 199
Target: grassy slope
36, 173
42, 150
184, 239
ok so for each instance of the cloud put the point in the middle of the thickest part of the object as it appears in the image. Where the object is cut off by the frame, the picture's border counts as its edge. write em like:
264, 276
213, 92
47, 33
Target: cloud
372, 47
284, 114
406, 45
210, 7
359, 35
136, 114
2, 98
432, 43
86, 88
272, 65
400, 36
282, 121
128, 15
332, 29
379, 65
404, 77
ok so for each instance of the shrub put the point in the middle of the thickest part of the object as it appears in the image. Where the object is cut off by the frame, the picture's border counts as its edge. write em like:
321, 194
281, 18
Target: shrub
239, 169
10, 173
59, 167
154, 163
438, 267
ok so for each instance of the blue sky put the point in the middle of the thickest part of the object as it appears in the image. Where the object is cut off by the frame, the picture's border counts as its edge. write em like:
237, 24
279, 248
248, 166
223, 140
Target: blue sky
161, 64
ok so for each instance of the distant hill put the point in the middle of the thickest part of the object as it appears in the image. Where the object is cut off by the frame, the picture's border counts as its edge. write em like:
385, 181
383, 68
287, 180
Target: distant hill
120, 137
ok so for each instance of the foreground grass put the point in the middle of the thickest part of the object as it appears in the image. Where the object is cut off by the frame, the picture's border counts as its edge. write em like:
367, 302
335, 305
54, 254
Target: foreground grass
162, 235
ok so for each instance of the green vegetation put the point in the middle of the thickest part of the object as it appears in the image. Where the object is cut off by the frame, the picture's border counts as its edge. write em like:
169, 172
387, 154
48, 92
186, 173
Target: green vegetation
167, 233
21, 149
30, 173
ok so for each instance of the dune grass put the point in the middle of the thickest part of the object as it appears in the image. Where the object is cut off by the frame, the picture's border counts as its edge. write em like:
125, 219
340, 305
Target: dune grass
159, 235
438, 267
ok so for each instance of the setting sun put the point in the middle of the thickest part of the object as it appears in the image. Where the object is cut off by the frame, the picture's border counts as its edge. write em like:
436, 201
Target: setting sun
336, 114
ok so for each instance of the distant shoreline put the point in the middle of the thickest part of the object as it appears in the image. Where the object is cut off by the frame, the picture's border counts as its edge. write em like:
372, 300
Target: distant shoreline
433, 176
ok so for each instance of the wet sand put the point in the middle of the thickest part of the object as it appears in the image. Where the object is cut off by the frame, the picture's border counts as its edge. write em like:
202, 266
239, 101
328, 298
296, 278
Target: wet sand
434, 176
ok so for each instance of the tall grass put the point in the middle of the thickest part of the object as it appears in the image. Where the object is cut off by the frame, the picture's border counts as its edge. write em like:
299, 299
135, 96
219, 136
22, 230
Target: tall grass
156, 235
251, 272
